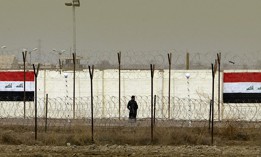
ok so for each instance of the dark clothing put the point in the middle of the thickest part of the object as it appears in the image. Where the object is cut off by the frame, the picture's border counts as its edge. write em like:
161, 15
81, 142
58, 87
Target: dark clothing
132, 106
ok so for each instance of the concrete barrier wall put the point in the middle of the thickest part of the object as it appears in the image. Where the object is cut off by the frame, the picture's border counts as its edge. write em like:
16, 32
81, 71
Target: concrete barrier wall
133, 82
189, 97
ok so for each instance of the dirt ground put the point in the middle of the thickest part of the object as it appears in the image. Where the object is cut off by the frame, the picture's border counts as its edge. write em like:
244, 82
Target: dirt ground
127, 150
230, 139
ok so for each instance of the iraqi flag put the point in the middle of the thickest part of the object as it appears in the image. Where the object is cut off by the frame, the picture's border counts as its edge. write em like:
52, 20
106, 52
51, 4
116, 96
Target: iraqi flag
242, 87
12, 86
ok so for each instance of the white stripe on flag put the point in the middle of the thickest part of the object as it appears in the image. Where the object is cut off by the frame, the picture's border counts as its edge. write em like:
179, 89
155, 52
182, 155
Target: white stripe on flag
242, 87
16, 86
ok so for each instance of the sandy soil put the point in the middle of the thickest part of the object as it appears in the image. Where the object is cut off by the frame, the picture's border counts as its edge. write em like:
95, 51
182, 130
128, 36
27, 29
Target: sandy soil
127, 150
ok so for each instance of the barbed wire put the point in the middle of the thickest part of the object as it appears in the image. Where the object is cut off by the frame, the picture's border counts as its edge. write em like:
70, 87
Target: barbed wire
107, 108
135, 59
183, 110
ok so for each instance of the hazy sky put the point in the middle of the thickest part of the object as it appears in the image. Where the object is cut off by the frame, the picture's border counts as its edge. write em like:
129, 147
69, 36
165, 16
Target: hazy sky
136, 25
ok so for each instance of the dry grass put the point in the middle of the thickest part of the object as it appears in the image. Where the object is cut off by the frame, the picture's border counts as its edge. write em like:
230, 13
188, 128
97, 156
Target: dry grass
233, 133
228, 134
183, 136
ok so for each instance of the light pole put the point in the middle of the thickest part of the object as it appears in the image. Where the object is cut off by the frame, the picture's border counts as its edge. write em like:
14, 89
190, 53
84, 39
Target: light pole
60, 52
3, 47
189, 101
35, 49
74, 3
60, 61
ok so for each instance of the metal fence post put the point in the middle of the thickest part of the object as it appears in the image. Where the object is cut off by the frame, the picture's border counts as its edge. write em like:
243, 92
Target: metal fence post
187, 61
152, 68
169, 59
74, 62
219, 61
210, 112
213, 100
119, 61
35, 99
60, 66
154, 116
46, 112
24, 60
91, 70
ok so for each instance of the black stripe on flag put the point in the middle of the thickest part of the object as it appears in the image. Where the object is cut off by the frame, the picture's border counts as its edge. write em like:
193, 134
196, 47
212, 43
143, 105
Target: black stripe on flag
16, 96
242, 97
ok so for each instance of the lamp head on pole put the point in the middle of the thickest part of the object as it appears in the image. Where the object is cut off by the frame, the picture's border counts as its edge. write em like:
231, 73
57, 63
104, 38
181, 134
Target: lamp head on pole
59, 51
65, 75
35, 49
75, 3
187, 75
68, 4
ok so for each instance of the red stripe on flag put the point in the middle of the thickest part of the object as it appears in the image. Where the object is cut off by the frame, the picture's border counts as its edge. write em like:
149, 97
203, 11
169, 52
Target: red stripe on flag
242, 77
16, 76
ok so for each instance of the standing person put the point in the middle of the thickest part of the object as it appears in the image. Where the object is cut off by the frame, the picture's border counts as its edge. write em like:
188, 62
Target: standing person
132, 106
